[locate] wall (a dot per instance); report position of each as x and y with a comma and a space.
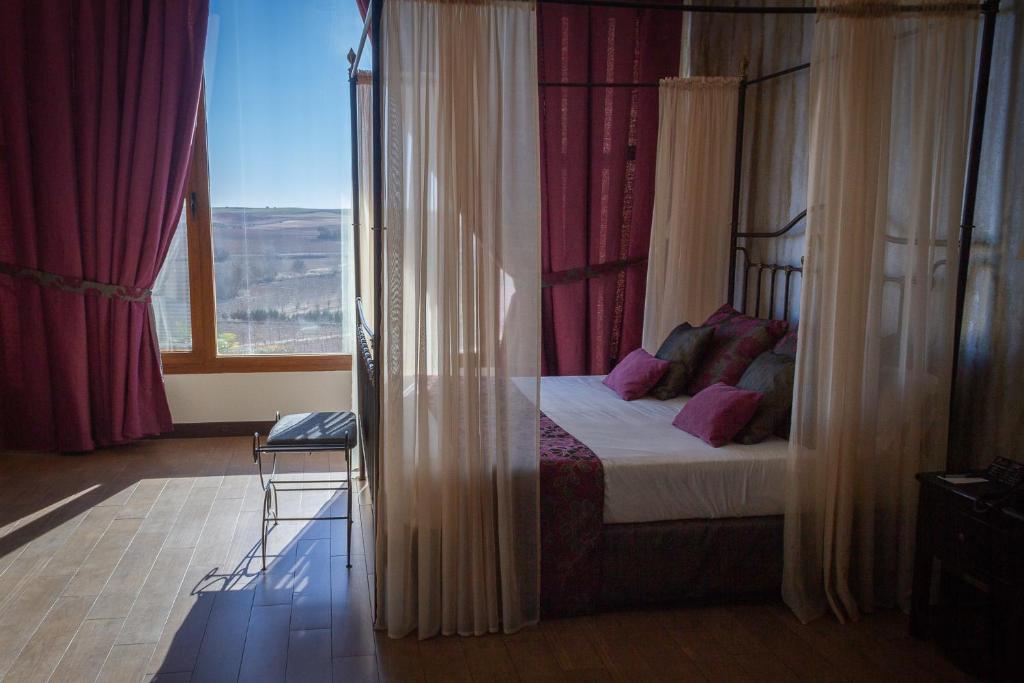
254, 396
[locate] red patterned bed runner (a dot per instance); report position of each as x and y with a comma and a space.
571, 519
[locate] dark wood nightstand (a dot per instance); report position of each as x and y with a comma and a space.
969, 576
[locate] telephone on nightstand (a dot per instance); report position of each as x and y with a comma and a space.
1007, 472
1010, 474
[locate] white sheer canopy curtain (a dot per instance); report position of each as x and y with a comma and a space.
688, 267
364, 219
457, 511
364, 114
890, 104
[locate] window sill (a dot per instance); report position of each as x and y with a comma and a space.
189, 364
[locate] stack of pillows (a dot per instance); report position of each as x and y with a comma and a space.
738, 369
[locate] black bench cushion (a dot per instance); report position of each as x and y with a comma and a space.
314, 429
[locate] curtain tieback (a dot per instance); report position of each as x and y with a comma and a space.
78, 285
564, 277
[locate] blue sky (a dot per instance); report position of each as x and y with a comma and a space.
277, 102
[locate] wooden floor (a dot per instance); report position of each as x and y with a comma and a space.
142, 564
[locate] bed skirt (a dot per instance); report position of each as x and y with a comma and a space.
692, 559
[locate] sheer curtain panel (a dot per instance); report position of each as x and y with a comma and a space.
890, 106
688, 268
457, 508
364, 115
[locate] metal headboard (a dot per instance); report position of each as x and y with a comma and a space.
770, 275
366, 388
740, 296
747, 298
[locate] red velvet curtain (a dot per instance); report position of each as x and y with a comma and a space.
597, 172
98, 102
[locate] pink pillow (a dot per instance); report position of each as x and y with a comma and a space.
636, 374
718, 413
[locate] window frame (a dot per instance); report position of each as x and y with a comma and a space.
203, 357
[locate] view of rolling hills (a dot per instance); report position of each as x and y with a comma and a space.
282, 284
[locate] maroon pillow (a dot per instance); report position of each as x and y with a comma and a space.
718, 413
739, 339
636, 374
724, 312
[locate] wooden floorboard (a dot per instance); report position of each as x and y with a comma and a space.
142, 563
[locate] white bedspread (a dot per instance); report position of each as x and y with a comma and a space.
653, 471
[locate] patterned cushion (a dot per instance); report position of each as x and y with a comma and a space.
739, 339
635, 374
771, 374
787, 345
683, 348
315, 429
716, 414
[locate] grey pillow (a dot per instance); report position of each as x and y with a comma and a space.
772, 375
787, 345
683, 348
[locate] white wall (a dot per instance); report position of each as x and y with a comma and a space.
250, 396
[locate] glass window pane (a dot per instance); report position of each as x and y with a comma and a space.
173, 314
277, 118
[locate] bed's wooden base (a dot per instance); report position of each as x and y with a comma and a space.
665, 562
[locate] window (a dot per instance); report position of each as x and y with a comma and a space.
171, 295
259, 274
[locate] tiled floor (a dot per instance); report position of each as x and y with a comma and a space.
142, 563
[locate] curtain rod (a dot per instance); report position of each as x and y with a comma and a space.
587, 84
682, 7
985, 6
655, 84
777, 74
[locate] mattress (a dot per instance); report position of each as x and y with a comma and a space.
655, 472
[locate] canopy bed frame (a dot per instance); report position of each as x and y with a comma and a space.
688, 558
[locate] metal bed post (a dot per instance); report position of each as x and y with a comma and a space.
376, 16
353, 87
367, 343
989, 11
588, 190
737, 175
735, 234
353, 79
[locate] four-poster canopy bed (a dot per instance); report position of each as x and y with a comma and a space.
725, 547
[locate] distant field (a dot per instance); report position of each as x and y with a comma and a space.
282, 284
283, 262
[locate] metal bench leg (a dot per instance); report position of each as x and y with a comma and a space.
263, 534
348, 536
271, 515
